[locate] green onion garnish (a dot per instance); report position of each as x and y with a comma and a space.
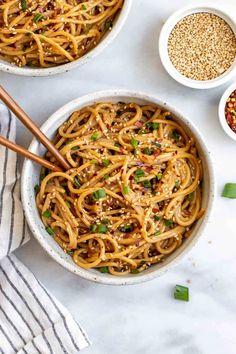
95, 136
68, 204
103, 269
24, 5
36, 188
139, 173
168, 222
108, 24
157, 233
157, 218
175, 135
75, 148
38, 17
152, 125
191, 196
126, 228
84, 7
105, 221
125, 190
70, 252
134, 271
142, 131
47, 214
159, 176
147, 184
49, 230
181, 293
102, 229
93, 228
99, 194
177, 183
106, 163
147, 151
158, 145
106, 176
134, 143
77, 181
229, 191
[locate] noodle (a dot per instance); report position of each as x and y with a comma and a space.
53, 32
132, 193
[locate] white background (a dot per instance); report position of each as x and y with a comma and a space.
145, 318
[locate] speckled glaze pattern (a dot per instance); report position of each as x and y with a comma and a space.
218, 10
31, 172
106, 40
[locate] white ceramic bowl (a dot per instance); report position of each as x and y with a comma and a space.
31, 172
106, 40
221, 111
220, 11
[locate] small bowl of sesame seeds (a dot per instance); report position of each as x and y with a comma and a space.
227, 111
197, 46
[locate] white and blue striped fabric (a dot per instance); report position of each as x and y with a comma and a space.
32, 321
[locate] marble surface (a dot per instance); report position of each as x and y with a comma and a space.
145, 319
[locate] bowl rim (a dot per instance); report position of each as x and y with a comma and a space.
106, 40
221, 111
27, 166
171, 21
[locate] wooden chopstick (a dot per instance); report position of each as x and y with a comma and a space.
17, 148
25, 119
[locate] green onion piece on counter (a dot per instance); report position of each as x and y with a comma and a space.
102, 229
47, 214
93, 228
125, 190
134, 271
84, 7
229, 191
38, 17
147, 184
49, 230
168, 222
181, 293
134, 143
24, 5
99, 194
191, 196
157, 218
103, 269
106, 163
95, 136
77, 181
147, 151
36, 188
75, 148
70, 252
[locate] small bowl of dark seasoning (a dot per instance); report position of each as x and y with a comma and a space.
227, 111
197, 46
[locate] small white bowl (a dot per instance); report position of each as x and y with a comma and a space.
106, 40
31, 172
163, 45
221, 111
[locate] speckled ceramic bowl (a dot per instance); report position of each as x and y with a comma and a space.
107, 39
30, 177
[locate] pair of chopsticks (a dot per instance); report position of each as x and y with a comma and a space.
25, 119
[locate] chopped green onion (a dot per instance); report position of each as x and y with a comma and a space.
168, 222
93, 161
108, 24
38, 17
229, 191
181, 293
191, 196
103, 269
157, 145
152, 125
106, 176
95, 136
175, 135
147, 151
68, 204
84, 7
147, 184
105, 221
36, 188
142, 131
139, 172
177, 183
134, 143
77, 181
70, 252
126, 228
157, 233
106, 163
93, 228
134, 271
75, 148
24, 5
49, 230
157, 218
99, 194
47, 214
102, 229
159, 176
125, 190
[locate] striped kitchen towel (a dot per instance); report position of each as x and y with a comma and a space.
32, 321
